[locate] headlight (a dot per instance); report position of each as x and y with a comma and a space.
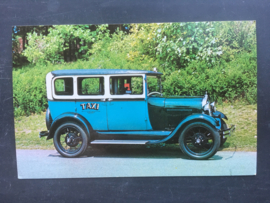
213, 107
207, 107
204, 101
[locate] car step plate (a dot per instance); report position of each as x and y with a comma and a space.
120, 141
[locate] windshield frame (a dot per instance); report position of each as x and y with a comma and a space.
159, 83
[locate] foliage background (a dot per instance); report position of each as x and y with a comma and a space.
219, 57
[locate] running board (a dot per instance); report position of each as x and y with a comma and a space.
137, 133
120, 142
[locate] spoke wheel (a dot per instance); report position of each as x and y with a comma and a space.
199, 140
70, 140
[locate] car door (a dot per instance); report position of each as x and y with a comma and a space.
90, 101
126, 105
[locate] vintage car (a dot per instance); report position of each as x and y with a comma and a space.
102, 106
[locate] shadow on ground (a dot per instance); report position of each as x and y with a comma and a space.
137, 151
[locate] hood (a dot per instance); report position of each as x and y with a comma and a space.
183, 102
167, 112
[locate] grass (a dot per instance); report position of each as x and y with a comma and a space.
27, 130
244, 117
241, 115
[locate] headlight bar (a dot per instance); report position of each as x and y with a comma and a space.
228, 131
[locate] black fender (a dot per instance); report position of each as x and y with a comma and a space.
48, 119
218, 114
215, 123
70, 117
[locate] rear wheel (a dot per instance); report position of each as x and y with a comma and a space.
199, 140
70, 140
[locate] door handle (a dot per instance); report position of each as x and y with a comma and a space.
110, 99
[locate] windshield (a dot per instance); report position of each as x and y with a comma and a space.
154, 84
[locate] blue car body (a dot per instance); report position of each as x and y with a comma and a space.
117, 105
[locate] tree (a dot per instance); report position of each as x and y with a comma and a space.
63, 43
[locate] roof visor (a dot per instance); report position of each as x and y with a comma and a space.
73, 72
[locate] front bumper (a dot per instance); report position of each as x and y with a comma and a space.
228, 131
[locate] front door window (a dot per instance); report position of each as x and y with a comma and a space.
130, 85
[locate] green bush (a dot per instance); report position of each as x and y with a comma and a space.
29, 88
49, 49
228, 81
232, 77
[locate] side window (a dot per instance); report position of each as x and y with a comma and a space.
91, 86
132, 85
153, 84
63, 86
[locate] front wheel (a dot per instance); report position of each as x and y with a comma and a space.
199, 140
70, 140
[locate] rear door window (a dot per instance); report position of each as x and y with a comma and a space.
91, 86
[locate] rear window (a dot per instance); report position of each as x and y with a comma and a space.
63, 86
91, 86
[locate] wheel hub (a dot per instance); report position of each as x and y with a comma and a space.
199, 140
72, 139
